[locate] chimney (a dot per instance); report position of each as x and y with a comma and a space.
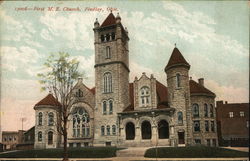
225, 102
219, 103
190, 78
201, 81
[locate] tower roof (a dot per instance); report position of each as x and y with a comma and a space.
49, 100
110, 20
176, 59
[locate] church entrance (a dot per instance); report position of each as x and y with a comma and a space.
163, 129
181, 138
146, 130
130, 131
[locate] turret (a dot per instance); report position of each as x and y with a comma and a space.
177, 70
47, 112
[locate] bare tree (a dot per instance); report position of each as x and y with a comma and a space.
61, 73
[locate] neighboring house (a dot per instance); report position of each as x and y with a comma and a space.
141, 113
11, 138
29, 139
233, 123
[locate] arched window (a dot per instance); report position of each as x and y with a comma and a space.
108, 52
81, 127
108, 130
163, 129
110, 106
205, 110
40, 118
196, 126
104, 107
113, 35
178, 80
130, 131
102, 38
50, 137
79, 93
107, 81
145, 96
107, 37
113, 130
206, 126
40, 136
195, 110
102, 130
51, 118
211, 111
146, 130
180, 117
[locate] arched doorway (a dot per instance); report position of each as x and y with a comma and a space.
163, 129
50, 137
130, 131
146, 132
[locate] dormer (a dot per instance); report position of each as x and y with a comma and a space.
145, 92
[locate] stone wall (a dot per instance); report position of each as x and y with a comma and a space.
179, 98
203, 135
45, 128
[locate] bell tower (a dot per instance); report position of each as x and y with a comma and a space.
111, 77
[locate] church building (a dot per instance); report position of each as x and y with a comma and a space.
143, 112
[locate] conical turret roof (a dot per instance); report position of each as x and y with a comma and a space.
49, 100
176, 59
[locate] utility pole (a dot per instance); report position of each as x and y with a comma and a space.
22, 119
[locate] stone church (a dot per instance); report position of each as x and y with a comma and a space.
143, 112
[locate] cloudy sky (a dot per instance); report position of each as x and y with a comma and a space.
212, 36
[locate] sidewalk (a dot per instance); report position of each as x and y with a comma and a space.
130, 159
244, 149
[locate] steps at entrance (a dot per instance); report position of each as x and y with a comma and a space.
132, 152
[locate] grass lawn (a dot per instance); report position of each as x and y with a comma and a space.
194, 152
86, 152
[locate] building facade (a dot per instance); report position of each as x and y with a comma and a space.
233, 123
140, 113
11, 139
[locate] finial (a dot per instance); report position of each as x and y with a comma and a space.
96, 24
111, 11
50, 92
118, 18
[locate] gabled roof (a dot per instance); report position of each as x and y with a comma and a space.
162, 95
92, 90
49, 100
176, 59
131, 98
110, 20
196, 88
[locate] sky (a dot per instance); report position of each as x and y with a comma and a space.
213, 36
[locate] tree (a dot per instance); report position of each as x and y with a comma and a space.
61, 73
